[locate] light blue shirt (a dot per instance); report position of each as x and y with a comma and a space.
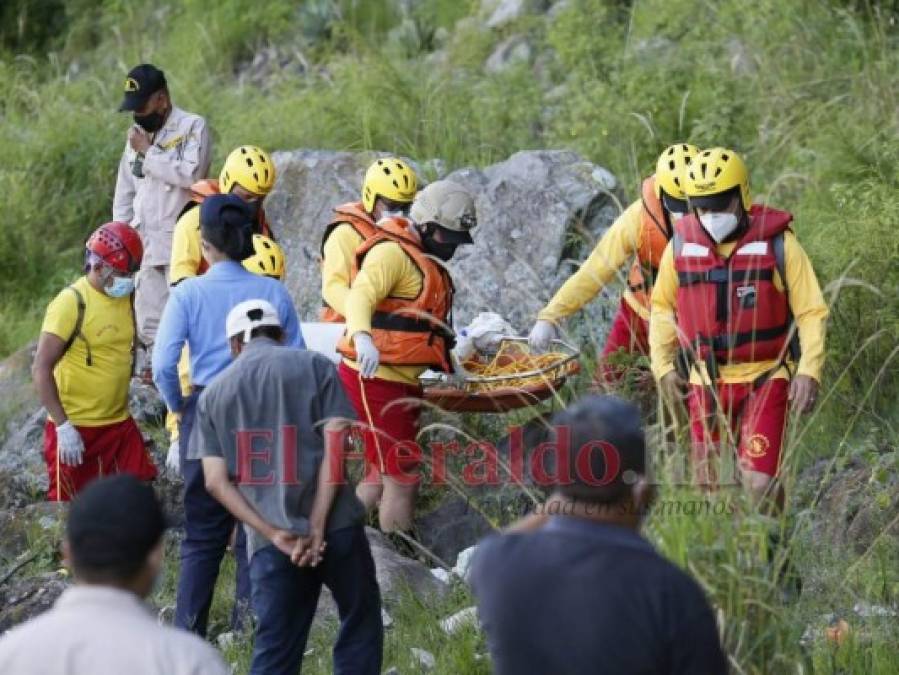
196, 312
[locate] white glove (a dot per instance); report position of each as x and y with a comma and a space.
367, 355
541, 335
69, 444
173, 458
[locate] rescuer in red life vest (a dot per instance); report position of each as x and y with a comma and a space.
734, 290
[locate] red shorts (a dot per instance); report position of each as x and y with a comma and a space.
629, 332
391, 418
110, 449
757, 418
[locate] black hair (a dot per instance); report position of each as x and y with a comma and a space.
120, 572
231, 233
605, 449
275, 333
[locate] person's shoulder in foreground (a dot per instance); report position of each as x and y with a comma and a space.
101, 625
582, 591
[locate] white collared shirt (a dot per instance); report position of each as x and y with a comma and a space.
100, 630
178, 157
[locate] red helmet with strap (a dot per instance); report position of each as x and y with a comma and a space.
118, 245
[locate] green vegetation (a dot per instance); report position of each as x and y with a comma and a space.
807, 90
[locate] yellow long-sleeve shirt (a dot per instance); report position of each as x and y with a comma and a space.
337, 265
617, 246
386, 271
187, 253
806, 303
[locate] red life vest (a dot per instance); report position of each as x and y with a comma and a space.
207, 187
354, 215
410, 331
729, 310
653, 239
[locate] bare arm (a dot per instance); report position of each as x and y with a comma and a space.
50, 349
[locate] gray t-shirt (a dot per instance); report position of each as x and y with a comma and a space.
265, 415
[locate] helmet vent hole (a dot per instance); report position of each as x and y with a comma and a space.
725, 157
671, 165
717, 172
677, 181
704, 167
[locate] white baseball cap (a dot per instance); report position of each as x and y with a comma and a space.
249, 315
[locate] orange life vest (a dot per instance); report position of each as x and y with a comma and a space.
207, 187
654, 238
354, 215
410, 331
729, 310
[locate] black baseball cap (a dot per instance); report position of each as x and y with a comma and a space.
114, 523
142, 82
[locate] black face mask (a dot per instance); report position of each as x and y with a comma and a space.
151, 122
439, 249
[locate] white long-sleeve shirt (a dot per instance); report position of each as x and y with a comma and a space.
178, 157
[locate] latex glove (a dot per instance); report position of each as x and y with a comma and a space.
541, 335
69, 444
367, 355
173, 458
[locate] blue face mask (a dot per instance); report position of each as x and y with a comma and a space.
121, 287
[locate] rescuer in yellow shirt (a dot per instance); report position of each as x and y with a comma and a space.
733, 288
397, 315
387, 191
82, 369
640, 235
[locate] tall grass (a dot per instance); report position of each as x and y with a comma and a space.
806, 90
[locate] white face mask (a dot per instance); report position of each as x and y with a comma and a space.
719, 225
392, 214
121, 287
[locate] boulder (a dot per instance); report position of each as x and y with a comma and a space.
23, 599
508, 53
398, 575
857, 504
451, 527
23, 472
18, 399
537, 211
146, 405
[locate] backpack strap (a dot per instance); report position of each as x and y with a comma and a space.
77, 332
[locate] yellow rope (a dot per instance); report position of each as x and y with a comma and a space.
371, 423
512, 358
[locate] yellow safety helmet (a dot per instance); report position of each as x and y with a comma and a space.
390, 178
671, 169
251, 168
714, 172
268, 258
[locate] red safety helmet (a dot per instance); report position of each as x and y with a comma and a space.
118, 245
